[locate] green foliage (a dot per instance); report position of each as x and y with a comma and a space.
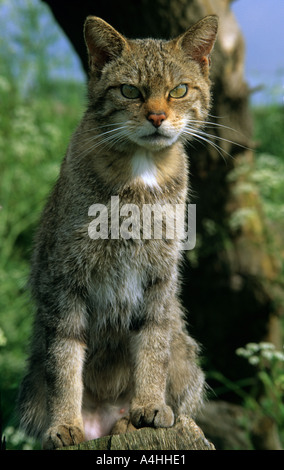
262, 394
268, 129
267, 177
31, 153
38, 115
29, 47
270, 372
268, 174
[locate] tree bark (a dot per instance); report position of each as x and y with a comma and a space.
185, 435
232, 427
230, 286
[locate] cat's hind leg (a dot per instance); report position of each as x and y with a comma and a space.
185, 384
104, 418
123, 426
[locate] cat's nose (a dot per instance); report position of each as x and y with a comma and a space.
156, 118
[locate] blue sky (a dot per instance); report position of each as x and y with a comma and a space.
262, 24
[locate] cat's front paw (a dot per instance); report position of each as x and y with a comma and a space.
62, 436
156, 415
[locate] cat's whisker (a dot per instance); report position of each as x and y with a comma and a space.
108, 135
97, 136
212, 124
216, 136
110, 139
119, 137
200, 135
216, 117
219, 149
101, 127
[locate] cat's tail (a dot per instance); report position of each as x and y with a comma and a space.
31, 405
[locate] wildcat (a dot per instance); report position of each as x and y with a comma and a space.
110, 351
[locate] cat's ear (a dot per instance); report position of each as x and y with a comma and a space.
198, 41
104, 43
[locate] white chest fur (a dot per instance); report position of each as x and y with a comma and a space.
144, 168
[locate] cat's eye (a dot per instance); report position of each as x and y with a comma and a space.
179, 91
130, 92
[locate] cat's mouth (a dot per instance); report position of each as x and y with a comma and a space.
157, 136
154, 140
154, 135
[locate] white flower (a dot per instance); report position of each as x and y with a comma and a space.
264, 346
279, 355
269, 355
253, 360
242, 352
253, 347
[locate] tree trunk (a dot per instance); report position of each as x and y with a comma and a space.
185, 435
230, 285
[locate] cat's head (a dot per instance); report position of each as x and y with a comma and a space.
147, 93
